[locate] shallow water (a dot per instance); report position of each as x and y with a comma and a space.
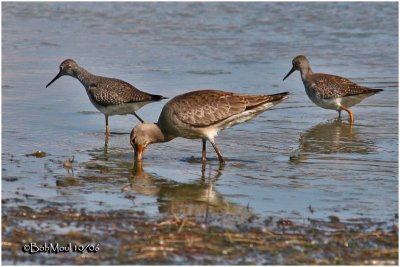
295, 161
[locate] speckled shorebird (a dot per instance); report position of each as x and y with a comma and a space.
329, 91
110, 96
201, 115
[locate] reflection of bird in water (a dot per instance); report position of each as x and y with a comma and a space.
196, 198
331, 138
142, 182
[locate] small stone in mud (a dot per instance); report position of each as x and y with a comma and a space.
334, 219
37, 154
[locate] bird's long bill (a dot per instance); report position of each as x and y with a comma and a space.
290, 72
139, 152
54, 79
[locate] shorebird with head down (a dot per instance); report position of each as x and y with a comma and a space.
201, 115
329, 91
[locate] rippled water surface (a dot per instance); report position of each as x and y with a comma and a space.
295, 161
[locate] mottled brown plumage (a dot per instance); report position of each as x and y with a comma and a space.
207, 107
201, 115
330, 91
330, 86
110, 91
109, 95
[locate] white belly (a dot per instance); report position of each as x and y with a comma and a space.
335, 103
122, 109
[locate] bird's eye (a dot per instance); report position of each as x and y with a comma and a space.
61, 68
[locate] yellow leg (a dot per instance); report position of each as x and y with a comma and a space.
350, 113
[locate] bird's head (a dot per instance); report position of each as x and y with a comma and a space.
298, 63
67, 67
143, 135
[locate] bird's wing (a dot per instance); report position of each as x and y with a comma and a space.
208, 107
115, 92
330, 86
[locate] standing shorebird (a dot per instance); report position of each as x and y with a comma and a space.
329, 91
110, 96
201, 115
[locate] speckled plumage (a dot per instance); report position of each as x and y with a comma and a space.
205, 108
201, 115
328, 86
109, 91
330, 91
109, 95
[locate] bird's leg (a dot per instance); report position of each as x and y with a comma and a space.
221, 159
350, 113
140, 119
107, 129
203, 154
340, 113
107, 133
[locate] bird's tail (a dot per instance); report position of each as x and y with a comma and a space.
279, 97
158, 97
375, 90
257, 101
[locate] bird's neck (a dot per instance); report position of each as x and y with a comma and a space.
305, 72
85, 77
168, 136
157, 135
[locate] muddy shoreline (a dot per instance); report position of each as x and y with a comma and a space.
127, 237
